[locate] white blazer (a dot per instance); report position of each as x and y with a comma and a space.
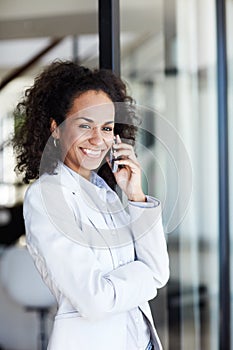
97, 274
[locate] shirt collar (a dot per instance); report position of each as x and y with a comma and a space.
104, 190
98, 181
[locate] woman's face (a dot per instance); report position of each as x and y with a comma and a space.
87, 133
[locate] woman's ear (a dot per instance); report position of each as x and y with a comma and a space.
54, 129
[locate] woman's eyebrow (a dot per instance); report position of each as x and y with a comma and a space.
110, 122
92, 121
86, 119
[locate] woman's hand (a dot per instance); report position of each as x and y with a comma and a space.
128, 177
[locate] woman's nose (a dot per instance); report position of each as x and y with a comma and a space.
96, 137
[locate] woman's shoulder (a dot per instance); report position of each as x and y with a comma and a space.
45, 186
35, 185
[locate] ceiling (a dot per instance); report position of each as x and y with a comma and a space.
26, 19
27, 26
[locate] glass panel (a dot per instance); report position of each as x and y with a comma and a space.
14, 53
83, 48
229, 13
171, 70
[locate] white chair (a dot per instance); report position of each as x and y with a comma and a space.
24, 285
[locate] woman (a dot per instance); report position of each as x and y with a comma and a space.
102, 262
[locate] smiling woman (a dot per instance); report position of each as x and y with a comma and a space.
52, 100
103, 263
87, 133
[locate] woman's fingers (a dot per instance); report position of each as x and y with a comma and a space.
125, 150
122, 145
134, 166
125, 153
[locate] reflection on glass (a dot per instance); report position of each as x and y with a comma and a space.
172, 71
14, 53
229, 24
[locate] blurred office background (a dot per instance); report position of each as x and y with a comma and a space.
169, 61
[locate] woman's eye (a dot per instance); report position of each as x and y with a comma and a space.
84, 126
107, 128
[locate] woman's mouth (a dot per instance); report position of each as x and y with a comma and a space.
91, 152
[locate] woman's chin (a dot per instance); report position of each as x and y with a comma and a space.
92, 165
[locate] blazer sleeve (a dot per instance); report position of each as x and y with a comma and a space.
149, 239
71, 269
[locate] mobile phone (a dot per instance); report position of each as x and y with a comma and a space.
112, 158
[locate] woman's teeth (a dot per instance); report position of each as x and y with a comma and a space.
91, 152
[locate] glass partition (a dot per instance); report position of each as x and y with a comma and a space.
229, 12
17, 53
168, 52
171, 69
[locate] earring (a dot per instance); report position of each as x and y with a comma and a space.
55, 142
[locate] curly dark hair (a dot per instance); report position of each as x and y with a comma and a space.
52, 96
